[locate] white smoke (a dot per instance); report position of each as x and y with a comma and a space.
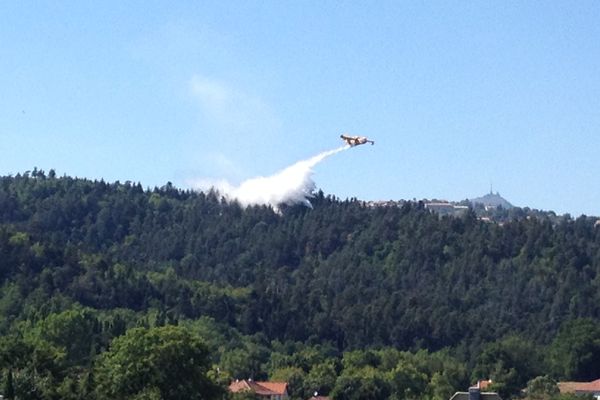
292, 185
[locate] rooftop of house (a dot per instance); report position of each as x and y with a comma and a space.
573, 387
260, 388
483, 384
482, 396
478, 388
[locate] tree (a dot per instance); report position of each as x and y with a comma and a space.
575, 352
294, 376
406, 381
542, 388
245, 362
36, 366
439, 387
72, 331
365, 383
510, 363
321, 378
168, 360
9, 388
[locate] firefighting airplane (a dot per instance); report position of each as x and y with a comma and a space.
356, 140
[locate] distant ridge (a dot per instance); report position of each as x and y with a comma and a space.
492, 200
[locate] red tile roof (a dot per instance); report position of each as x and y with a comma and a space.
275, 387
595, 385
260, 388
572, 387
239, 386
484, 384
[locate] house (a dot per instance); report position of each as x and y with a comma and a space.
441, 207
475, 393
267, 390
446, 208
592, 388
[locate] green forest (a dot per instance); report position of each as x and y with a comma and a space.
113, 291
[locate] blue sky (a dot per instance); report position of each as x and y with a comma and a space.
457, 95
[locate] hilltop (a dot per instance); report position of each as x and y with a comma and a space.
492, 200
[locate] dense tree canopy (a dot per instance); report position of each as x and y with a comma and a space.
86, 264
168, 360
575, 351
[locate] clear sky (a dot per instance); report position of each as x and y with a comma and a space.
456, 94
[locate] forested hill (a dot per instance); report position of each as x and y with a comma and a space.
341, 274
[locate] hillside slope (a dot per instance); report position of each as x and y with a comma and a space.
341, 272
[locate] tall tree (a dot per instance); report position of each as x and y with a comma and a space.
575, 352
9, 386
169, 360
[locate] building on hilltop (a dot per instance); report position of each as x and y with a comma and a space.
446, 208
267, 390
492, 201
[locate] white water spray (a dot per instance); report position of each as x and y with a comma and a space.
292, 185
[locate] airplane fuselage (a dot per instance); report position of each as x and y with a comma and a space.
356, 140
